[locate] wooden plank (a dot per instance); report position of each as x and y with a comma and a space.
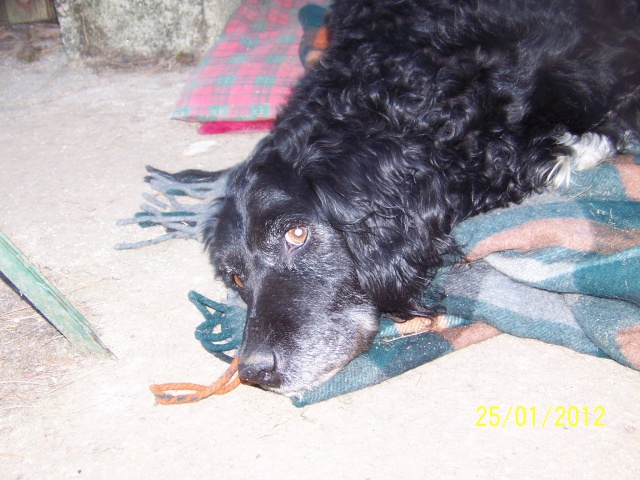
48, 300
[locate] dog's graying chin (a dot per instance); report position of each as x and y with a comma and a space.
419, 115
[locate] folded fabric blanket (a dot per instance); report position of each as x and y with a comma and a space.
248, 74
563, 267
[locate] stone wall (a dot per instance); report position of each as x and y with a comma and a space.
141, 28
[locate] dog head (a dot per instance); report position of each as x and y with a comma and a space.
319, 240
307, 315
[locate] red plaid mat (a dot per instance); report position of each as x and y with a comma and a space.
250, 70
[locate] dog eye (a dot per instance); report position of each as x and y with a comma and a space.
237, 281
296, 236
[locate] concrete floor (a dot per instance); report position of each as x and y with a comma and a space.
74, 145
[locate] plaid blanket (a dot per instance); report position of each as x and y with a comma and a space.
563, 267
250, 71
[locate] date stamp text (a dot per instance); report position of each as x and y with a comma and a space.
531, 416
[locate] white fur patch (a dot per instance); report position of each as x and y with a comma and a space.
588, 151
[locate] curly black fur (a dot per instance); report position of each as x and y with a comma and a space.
419, 115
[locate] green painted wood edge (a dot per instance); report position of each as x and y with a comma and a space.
48, 300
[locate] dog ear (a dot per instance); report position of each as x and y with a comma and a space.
396, 223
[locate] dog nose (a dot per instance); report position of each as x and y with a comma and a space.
259, 367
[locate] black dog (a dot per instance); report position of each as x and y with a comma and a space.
420, 114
